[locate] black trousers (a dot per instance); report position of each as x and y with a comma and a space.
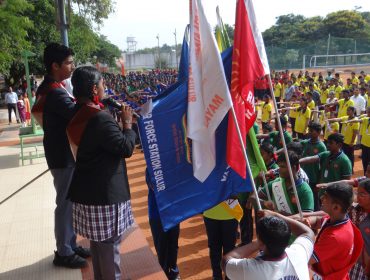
166, 245
365, 157
221, 240
301, 136
292, 124
12, 106
246, 223
350, 152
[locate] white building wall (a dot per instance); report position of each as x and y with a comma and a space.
134, 61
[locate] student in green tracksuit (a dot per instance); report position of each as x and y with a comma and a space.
312, 147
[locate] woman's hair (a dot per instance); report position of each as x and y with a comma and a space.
83, 80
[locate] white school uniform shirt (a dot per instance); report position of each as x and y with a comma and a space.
294, 266
360, 104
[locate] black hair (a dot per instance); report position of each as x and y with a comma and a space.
341, 194
295, 146
336, 137
266, 96
283, 121
267, 127
267, 147
274, 233
365, 184
345, 91
352, 108
293, 158
83, 80
315, 126
55, 53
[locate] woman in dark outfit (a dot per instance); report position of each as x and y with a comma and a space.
99, 189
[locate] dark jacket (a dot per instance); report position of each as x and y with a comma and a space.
59, 109
100, 176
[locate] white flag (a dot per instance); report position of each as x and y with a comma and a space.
208, 97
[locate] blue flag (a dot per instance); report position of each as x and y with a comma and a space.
167, 153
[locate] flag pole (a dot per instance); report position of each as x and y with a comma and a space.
246, 158
266, 186
285, 148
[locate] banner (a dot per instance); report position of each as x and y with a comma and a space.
209, 97
249, 64
179, 195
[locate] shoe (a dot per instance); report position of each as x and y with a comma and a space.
82, 252
174, 274
72, 261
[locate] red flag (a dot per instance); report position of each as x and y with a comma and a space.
122, 64
249, 63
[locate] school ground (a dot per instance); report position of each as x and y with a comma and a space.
26, 222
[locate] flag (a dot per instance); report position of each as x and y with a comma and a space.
249, 63
255, 159
184, 58
167, 150
208, 94
122, 64
222, 38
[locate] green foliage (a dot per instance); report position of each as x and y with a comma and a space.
95, 11
106, 52
31, 25
345, 24
14, 27
160, 63
82, 39
310, 36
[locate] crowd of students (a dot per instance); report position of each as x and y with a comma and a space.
328, 120
323, 121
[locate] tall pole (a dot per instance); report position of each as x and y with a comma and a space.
246, 158
25, 56
159, 54
177, 62
63, 23
285, 148
327, 50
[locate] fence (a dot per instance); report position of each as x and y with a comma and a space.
297, 55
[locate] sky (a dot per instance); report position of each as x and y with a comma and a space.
145, 19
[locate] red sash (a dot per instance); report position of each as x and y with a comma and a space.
77, 125
38, 107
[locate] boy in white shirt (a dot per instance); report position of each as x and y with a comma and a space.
276, 260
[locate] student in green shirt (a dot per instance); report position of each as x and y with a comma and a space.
268, 155
334, 164
312, 147
275, 135
281, 190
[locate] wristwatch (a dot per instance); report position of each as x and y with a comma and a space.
127, 121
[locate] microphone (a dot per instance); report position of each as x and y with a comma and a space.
113, 103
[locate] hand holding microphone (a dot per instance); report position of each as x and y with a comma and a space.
126, 111
126, 116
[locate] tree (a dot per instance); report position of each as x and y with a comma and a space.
344, 24
106, 52
95, 11
13, 32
